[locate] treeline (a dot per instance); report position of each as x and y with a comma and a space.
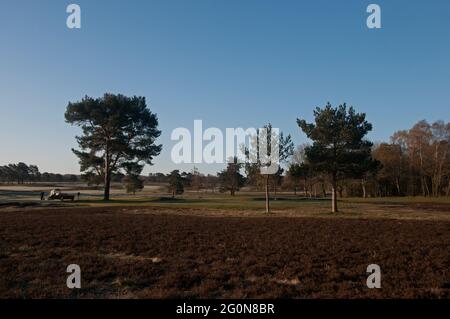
22, 173
230, 179
194, 180
415, 162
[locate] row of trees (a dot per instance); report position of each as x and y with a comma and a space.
119, 137
19, 173
415, 162
341, 161
194, 180
229, 180
22, 173
418, 161
339, 151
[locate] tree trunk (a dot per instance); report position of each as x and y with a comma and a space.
334, 208
427, 188
107, 185
397, 184
422, 186
305, 189
363, 184
267, 194
107, 176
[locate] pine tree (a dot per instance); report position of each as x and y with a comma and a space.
339, 148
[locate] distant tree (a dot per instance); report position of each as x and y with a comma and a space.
339, 148
176, 186
300, 172
426, 149
157, 178
91, 178
211, 182
366, 171
45, 177
440, 167
277, 181
58, 178
22, 171
390, 175
3, 174
34, 174
252, 174
7, 174
132, 184
116, 130
196, 180
72, 178
187, 179
258, 165
117, 177
132, 181
230, 179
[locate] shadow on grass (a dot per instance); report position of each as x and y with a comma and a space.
293, 199
238, 202
134, 201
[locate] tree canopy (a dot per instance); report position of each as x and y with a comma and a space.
267, 146
339, 148
117, 130
230, 179
176, 186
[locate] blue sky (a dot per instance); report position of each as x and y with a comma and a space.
229, 63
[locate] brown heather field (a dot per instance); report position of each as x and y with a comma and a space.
170, 252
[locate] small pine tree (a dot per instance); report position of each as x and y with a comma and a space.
133, 183
176, 186
230, 179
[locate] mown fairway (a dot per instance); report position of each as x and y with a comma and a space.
172, 250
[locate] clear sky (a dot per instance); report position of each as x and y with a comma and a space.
230, 63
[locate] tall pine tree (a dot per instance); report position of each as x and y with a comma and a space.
117, 130
339, 148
